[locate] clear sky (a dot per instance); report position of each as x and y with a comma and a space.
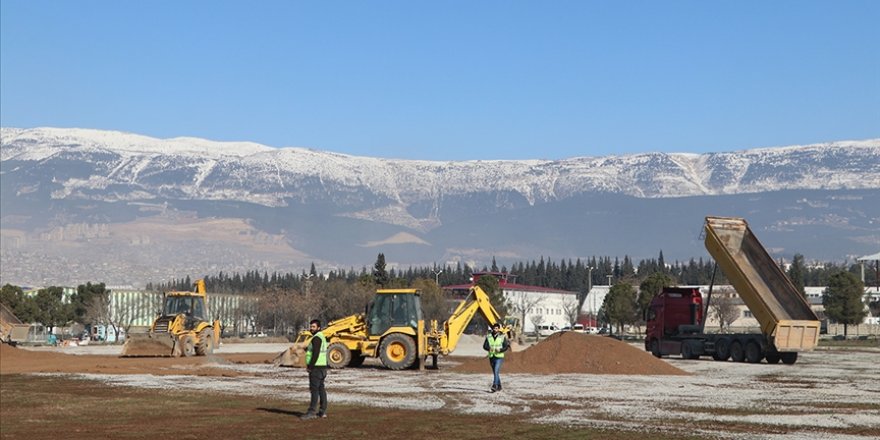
449, 80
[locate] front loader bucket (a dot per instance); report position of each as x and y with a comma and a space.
150, 345
295, 356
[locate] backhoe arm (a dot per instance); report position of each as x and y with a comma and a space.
476, 301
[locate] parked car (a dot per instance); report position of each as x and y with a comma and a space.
547, 330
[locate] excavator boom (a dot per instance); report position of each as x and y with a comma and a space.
476, 301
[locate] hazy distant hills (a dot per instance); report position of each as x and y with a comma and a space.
83, 205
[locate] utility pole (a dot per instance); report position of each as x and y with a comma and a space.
437, 276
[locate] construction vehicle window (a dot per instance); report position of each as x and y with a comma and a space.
175, 305
380, 314
198, 308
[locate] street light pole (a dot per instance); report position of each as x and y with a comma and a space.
437, 276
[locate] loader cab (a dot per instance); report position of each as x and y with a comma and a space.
191, 306
394, 308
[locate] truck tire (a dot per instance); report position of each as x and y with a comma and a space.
753, 352
655, 348
722, 350
206, 342
688, 351
188, 347
788, 358
772, 358
398, 352
338, 355
737, 353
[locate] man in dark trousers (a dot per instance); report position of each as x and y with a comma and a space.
316, 363
496, 344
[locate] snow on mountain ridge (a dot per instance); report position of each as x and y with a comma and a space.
201, 169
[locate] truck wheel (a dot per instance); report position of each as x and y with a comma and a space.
788, 358
206, 342
722, 350
753, 352
772, 358
687, 351
338, 355
655, 348
189, 347
737, 354
398, 352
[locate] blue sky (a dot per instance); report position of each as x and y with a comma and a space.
450, 80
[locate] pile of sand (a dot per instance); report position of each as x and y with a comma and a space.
569, 352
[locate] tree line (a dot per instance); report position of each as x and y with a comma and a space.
285, 301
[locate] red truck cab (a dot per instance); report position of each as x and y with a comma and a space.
674, 312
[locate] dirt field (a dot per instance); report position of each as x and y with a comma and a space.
827, 394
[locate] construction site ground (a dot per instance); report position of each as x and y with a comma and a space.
567, 386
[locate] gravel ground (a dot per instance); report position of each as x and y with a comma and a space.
827, 394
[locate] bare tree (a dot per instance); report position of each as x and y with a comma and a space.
434, 303
537, 320
98, 310
724, 307
124, 314
572, 310
340, 299
523, 304
271, 307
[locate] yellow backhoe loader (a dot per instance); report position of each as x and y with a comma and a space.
181, 329
393, 330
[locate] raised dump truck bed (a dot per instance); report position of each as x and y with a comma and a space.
783, 313
676, 316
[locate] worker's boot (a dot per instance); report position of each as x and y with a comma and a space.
493, 388
308, 416
498, 388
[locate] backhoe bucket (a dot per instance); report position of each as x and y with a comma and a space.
295, 356
150, 345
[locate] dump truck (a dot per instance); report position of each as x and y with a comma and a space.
393, 330
181, 329
676, 317
12, 331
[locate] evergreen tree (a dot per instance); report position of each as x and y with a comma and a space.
843, 299
52, 310
88, 295
651, 287
380, 275
796, 273
620, 305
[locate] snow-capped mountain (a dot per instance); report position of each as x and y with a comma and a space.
79, 176
114, 166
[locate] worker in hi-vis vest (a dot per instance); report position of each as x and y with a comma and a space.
496, 344
316, 363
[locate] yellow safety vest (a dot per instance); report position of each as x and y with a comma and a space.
495, 345
322, 353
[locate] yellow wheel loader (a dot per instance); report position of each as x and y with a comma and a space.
181, 329
393, 331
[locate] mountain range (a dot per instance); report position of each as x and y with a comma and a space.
82, 205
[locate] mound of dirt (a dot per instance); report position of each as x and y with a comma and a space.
569, 352
18, 360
